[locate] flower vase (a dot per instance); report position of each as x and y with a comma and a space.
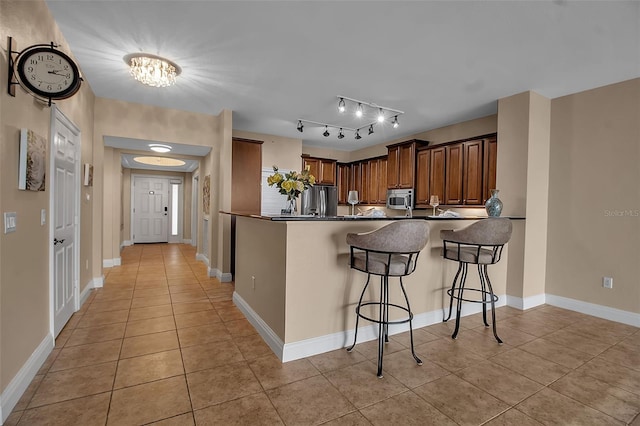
493, 204
291, 208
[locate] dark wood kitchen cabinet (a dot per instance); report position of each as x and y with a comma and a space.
344, 182
377, 181
489, 166
401, 164
453, 172
472, 173
323, 169
460, 173
430, 175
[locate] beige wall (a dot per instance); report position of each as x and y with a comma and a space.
276, 150
24, 254
594, 196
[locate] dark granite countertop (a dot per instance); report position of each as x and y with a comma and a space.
309, 218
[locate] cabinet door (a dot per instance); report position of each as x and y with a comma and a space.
365, 177
437, 176
406, 166
327, 172
372, 187
453, 186
422, 178
472, 173
490, 161
344, 174
314, 167
382, 181
246, 173
392, 167
356, 179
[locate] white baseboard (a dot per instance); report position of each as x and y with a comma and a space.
23, 378
329, 342
202, 258
186, 241
605, 312
126, 243
224, 277
269, 336
109, 263
527, 302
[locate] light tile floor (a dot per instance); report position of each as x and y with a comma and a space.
163, 344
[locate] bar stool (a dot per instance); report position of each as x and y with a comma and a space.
391, 251
478, 244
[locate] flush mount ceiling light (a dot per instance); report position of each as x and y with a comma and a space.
159, 161
152, 70
158, 147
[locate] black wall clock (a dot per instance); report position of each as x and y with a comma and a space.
46, 72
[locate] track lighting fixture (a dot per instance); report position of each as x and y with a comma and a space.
366, 110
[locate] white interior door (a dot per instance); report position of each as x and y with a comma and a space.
65, 183
151, 210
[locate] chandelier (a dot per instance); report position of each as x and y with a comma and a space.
152, 70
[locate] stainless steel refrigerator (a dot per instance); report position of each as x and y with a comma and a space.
320, 200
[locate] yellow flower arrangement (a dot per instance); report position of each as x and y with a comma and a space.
291, 184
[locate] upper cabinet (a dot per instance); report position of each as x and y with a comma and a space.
459, 173
401, 165
344, 176
323, 169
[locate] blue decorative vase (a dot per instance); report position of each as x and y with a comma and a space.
493, 204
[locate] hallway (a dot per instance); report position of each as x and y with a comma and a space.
162, 342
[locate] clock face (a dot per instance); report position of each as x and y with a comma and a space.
48, 73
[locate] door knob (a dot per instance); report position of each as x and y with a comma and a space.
57, 241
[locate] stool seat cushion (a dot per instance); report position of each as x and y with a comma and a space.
470, 255
378, 262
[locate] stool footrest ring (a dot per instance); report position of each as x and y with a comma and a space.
459, 297
377, 321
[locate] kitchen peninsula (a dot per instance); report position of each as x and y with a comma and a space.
294, 284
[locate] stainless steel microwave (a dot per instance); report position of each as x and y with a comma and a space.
399, 199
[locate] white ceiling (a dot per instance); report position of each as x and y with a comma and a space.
440, 62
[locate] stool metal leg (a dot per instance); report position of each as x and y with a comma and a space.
413, 352
355, 336
453, 287
460, 293
493, 305
382, 326
483, 291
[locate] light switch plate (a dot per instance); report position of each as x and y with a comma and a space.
43, 217
9, 222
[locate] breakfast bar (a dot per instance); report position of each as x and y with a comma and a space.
294, 284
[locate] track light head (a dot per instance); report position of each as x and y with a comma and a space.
358, 134
371, 129
359, 110
326, 131
300, 126
341, 105
395, 122
380, 116
340, 134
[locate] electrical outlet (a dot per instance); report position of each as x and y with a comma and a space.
607, 282
253, 282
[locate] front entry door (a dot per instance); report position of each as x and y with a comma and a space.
151, 209
65, 181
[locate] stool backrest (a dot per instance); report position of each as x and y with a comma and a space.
491, 231
402, 236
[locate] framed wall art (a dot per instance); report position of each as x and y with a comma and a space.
206, 194
32, 166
